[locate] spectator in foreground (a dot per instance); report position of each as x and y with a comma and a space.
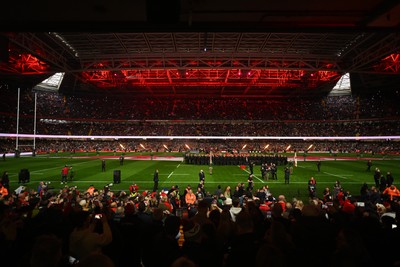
84, 239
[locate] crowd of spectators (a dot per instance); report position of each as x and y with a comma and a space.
105, 115
45, 146
54, 105
101, 227
242, 227
203, 128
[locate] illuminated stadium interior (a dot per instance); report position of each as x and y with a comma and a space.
282, 117
178, 55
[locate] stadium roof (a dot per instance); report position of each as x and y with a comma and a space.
203, 48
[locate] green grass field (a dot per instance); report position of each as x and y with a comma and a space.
351, 173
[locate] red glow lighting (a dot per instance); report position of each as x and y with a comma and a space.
27, 64
390, 63
209, 77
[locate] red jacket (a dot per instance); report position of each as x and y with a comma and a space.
64, 171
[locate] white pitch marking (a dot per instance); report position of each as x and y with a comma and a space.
79, 163
177, 174
345, 175
336, 175
253, 175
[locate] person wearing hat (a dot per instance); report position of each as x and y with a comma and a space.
202, 176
